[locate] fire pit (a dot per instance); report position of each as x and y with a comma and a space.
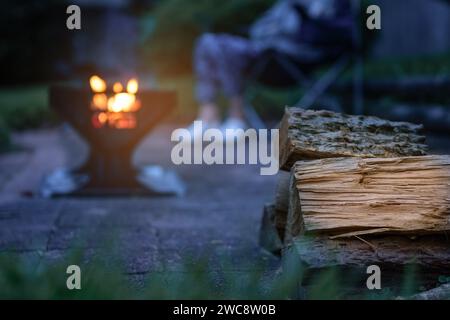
112, 121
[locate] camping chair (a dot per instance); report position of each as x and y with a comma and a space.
279, 70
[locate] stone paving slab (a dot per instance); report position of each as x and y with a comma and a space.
217, 220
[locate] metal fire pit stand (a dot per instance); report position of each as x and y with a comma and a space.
108, 170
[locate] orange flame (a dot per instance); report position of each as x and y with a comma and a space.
115, 110
132, 86
97, 84
121, 102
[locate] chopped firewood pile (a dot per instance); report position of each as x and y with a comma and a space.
358, 190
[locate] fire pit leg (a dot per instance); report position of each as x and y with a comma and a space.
109, 170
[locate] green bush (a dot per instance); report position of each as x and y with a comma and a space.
24, 107
4, 136
409, 66
177, 23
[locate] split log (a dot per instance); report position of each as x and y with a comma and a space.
269, 237
308, 134
273, 223
282, 202
344, 197
282, 191
294, 223
429, 252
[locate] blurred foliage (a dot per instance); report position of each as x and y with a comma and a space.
270, 102
168, 34
29, 276
5, 142
24, 107
184, 86
177, 23
170, 29
401, 67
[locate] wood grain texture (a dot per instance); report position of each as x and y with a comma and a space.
309, 134
343, 197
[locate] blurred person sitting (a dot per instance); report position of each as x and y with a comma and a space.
307, 30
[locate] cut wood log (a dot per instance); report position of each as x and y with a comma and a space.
309, 134
282, 191
431, 251
269, 237
343, 197
274, 217
282, 202
294, 223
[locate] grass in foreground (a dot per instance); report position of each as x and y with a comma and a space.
30, 279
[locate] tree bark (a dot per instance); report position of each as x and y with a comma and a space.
308, 134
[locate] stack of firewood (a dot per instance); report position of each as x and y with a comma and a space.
357, 190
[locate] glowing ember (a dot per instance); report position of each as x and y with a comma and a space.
102, 117
117, 87
121, 102
99, 101
116, 110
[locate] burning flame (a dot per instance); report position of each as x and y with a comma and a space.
97, 84
116, 109
132, 86
121, 102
